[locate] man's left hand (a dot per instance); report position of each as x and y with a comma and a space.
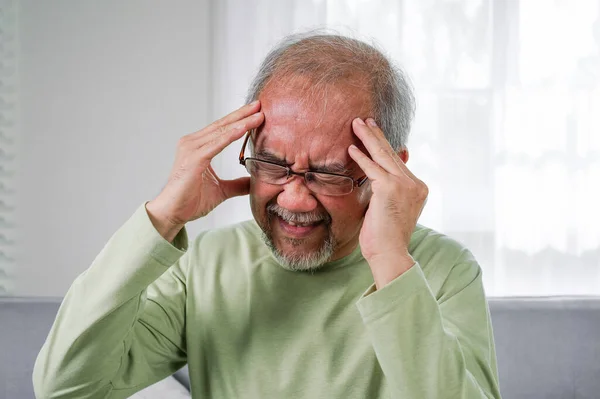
396, 204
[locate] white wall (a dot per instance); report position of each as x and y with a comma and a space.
106, 90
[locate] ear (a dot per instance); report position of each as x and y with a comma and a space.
403, 154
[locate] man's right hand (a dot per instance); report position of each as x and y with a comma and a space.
193, 188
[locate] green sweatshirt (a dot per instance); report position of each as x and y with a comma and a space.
249, 328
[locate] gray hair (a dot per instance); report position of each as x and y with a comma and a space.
327, 58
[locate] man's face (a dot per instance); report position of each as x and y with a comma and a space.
308, 132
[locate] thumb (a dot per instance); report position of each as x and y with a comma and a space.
236, 187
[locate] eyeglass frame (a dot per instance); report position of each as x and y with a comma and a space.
356, 182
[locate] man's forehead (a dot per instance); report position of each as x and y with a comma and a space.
288, 143
300, 98
289, 106
317, 117
304, 121
304, 133
307, 150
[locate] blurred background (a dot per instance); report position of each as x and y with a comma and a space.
95, 94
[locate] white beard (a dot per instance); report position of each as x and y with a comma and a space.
303, 262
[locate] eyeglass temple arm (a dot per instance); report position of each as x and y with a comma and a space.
244, 146
361, 181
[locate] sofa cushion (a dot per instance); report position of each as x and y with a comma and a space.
169, 388
547, 347
25, 323
182, 375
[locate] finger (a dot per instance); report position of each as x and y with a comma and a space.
406, 170
378, 147
201, 138
209, 173
373, 171
243, 125
393, 154
236, 115
213, 144
236, 187
241, 113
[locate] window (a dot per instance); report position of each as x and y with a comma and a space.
507, 133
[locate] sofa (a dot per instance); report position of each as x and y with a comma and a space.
547, 348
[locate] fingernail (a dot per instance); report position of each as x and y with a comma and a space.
359, 121
352, 146
371, 122
254, 102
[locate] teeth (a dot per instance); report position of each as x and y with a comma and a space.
299, 224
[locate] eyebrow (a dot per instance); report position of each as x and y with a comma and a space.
334, 167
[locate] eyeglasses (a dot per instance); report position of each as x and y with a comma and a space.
318, 182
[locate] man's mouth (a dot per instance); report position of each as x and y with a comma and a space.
297, 229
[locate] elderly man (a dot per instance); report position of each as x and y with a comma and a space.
332, 291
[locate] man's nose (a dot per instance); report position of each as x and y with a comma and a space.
296, 197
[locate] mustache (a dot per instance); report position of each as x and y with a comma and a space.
298, 217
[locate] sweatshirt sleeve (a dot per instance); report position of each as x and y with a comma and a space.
121, 325
432, 347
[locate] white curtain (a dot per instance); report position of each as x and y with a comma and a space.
507, 131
